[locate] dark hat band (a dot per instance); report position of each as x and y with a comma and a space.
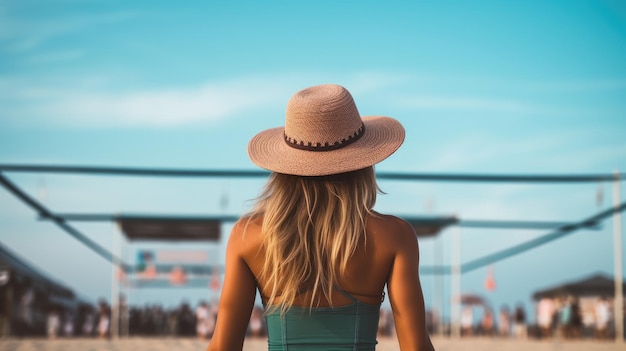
325, 146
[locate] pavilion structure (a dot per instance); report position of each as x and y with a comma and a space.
168, 228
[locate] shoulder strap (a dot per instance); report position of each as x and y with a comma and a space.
354, 299
346, 294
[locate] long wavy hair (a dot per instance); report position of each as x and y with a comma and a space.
311, 227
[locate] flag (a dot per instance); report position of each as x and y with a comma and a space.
490, 281
215, 280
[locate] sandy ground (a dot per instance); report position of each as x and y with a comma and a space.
170, 344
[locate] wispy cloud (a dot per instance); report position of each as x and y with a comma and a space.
488, 151
600, 158
82, 104
55, 57
593, 85
22, 34
105, 101
463, 103
370, 82
438, 81
484, 104
146, 108
568, 106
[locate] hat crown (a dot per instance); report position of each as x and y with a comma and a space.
322, 115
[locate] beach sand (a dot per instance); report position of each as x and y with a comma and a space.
390, 344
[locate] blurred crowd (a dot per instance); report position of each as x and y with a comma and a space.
567, 317
563, 317
571, 318
184, 320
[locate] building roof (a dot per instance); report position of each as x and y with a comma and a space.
20, 267
596, 285
170, 228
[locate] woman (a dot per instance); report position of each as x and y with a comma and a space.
104, 315
313, 247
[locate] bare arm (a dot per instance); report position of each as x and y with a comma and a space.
237, 298
405, 292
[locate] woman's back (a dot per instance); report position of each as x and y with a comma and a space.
387, 255
367, 271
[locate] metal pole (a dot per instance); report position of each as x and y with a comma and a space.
129, 282
618, 302
439, 284
125, 288
455, 284
115, 291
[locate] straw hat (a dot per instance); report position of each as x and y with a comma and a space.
324, 134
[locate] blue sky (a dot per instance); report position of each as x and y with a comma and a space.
481, 87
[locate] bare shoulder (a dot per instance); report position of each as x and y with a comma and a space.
392, 228
246, 242
246, 234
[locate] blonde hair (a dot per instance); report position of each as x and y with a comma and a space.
311, 227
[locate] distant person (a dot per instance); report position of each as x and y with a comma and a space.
436, 322
589, 320
431, 322
519, 322
160, 320
123, 316
467, 321
504, 321
256, 328
68, 324
53, 323
487, 324
202, 320
603, 317
172, 322
88, 324
545, 314
565, 316
312, 245
186, 320
576, 319
384, 323
104, 318
25, 311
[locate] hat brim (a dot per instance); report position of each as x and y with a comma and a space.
382, 137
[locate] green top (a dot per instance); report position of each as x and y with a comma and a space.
344, 328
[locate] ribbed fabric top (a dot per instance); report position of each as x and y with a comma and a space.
344, 328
